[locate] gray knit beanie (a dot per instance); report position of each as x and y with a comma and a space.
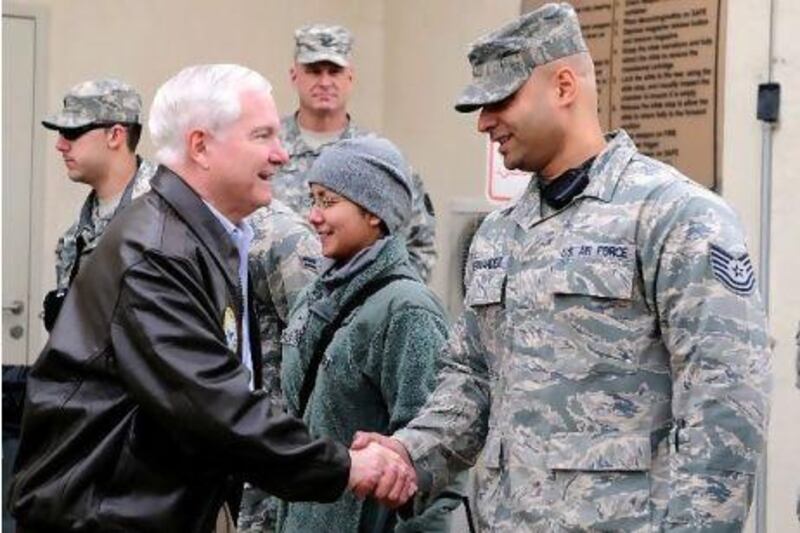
369, 171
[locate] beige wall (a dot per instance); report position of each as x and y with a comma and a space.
747, 65
410, 59
784, 472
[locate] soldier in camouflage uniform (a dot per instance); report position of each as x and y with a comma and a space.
612, 360
283, 259
99, 128
323, 78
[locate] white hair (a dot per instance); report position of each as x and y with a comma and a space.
198, 97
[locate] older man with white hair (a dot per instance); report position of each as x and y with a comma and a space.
141, 413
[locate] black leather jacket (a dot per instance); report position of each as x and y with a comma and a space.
138, 416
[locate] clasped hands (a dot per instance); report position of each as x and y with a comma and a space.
381, 468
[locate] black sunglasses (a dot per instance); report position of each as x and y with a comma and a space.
72, 134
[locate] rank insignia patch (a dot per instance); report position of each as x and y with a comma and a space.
736, 273
229, 327
309, 263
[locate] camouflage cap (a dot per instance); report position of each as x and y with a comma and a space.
97, 101
504, 59
321, 42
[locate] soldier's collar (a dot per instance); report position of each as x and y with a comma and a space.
291, 128
527, 211
609, 165
604, 176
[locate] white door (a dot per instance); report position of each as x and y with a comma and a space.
19, 40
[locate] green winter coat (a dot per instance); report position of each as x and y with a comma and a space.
375, 375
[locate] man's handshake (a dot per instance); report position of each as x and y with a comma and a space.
381, 468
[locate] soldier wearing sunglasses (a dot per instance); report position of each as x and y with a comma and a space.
98, 130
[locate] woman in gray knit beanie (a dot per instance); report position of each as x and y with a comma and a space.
361, 341
368, 171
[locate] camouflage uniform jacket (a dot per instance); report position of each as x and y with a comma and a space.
283, 260
290, 186
90, 225
612, 357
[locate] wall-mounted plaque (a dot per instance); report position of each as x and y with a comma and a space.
659, 66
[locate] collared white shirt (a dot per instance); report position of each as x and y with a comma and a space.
242, 236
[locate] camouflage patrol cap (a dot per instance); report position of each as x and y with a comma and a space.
95, 102
321, 42
503, 60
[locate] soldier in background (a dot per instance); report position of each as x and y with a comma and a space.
98, 131
612, 360
323, 78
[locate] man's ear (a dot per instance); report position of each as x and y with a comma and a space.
566, 86
197, 148
293, 74
116, 136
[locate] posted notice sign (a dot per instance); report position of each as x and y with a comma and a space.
659, 71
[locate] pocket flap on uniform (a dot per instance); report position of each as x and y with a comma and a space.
486, 287
604, 452
492, 452
707, 446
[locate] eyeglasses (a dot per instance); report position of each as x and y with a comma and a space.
72, 134
323, 202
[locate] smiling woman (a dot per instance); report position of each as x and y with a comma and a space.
344, 228
370, 363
